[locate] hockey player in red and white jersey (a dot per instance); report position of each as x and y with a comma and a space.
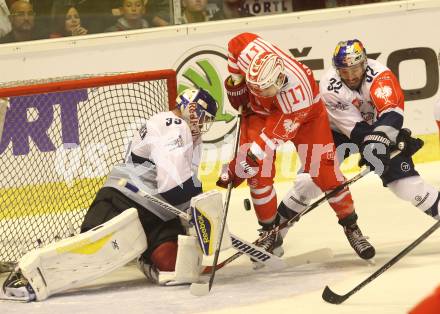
122, 224
365, 105
281, 103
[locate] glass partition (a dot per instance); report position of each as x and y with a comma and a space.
22, 20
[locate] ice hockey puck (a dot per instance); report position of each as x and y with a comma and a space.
247, 204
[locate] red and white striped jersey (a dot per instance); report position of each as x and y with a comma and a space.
293, 104
300, 90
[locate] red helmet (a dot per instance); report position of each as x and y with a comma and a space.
266, 69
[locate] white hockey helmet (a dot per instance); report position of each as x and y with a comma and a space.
266, 70
198, 109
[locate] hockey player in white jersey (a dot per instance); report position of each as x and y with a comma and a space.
365, 105
121, 224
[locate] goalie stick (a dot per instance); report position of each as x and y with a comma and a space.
331, 297
200, 289
249, 249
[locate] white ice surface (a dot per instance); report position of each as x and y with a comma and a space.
390, 223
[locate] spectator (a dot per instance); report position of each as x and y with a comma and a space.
132, 17
194, 11
5, 24
96, 15
22, 20
67, 22
231, 9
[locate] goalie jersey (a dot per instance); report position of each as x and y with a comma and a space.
163, 162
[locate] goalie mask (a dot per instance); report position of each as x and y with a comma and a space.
350, 61
265, 75
198, 109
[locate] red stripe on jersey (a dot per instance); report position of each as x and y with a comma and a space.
244, 66
235, 46
285, 102
296, 66
296, 70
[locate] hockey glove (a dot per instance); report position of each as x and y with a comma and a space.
408, 145
375, 152
238, 170
237, 94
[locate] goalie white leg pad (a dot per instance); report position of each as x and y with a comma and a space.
189, 259
71, 262
206, 211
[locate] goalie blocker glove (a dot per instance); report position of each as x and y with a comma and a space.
238, 95
375, 152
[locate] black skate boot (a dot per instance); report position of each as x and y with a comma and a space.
272, 244
17, 287
355, 237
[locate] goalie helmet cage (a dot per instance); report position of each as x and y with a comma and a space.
60, 139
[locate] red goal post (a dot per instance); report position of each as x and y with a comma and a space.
60, 138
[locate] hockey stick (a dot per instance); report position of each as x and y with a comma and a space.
200, 289
312, 206
331, 297
289, 222
249, 249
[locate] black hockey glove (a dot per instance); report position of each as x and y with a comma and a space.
375, 152
408, 145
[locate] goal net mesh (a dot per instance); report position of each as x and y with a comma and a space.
59, 141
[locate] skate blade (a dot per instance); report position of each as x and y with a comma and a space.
4, 297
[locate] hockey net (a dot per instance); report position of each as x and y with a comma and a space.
60, 137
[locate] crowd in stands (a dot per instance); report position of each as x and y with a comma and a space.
23, 20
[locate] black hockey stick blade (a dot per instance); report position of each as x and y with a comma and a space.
329, 296
334, 298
